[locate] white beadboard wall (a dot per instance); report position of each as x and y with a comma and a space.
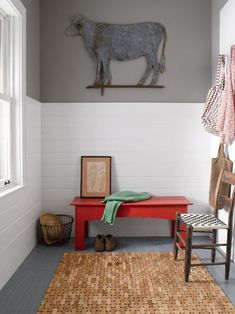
227, 38
156, 147
19, 210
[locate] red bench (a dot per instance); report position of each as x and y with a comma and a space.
88, 209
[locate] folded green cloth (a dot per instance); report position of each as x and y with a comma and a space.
113, 202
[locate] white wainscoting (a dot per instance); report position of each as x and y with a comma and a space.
227, 39
156, 147
19, 210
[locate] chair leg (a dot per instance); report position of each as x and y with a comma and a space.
213, 250
228, 253
188, 252
177, 225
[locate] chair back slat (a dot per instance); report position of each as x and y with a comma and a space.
228, 177
224, 202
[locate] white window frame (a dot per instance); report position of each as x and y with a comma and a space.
14, 89
2, 51
5, 95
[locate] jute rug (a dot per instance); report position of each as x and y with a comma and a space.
131, 283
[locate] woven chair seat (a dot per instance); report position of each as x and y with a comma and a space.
202, 222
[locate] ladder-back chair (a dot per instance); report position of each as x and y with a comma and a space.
208, 224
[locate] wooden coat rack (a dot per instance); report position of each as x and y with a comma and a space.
102, 87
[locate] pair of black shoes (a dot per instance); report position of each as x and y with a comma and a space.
104, 242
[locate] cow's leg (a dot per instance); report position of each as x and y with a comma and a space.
156, 70
147, 71
107, 73
98, 71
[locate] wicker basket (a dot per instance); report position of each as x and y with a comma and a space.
59, 231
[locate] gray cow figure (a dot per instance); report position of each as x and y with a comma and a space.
106, 42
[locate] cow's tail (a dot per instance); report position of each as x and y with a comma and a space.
163, 57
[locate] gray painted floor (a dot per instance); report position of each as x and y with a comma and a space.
25, 290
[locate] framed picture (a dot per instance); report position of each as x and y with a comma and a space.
95, 176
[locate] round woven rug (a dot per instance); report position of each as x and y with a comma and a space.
131, 283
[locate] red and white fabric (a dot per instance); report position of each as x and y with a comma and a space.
214, 99
226, 112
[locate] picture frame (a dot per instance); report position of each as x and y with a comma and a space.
95, 176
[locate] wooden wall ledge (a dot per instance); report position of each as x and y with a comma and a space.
102, 87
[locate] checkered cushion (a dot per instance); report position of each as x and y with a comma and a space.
202, 222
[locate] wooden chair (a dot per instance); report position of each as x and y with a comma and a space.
208, 224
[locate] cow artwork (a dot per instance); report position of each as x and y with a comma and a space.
106, 42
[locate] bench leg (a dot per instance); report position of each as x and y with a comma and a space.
80, 235
86, 229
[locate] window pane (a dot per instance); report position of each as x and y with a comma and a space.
1, 54
4, 43
4, 141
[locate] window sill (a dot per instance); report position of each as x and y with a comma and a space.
10, 190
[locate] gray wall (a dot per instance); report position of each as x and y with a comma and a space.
33, 48
217, 5
66, 67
